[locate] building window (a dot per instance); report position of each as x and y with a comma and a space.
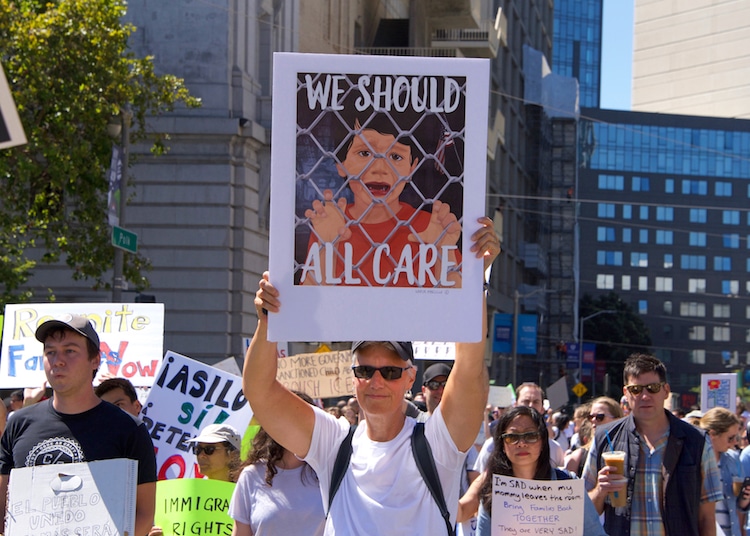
721, 333
693, 262
723, 189
730, 286
643, 307
663, 284
643, 236
668, 311
697, 333
609, 258
697, 239
639, 260
747, 311
605, 234
641, 184
606, 210
698, 357
626, 283
668, 260
643, 283
693, 309
730, 217
664, 237
723, 264
605, 281
721, 310
627, 235
611, 182
698, 215
643, 213
693, 187
696, 286
669, 187
665, 213
731, 241
627, 212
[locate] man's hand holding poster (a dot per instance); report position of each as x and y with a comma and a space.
377, 205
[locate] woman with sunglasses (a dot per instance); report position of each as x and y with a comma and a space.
604, 410
723, 426
524, 453
276, 493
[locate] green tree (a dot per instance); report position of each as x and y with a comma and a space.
70, 71
616, 335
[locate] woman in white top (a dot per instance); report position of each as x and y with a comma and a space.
276, 493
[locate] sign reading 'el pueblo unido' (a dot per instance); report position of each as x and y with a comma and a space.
381, 199
131, 340
186, 397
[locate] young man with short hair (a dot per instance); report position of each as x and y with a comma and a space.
121, 393
75, 425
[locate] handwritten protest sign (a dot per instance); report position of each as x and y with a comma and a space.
131, 339
186, 397
193, 506
718, 390
73, 498
344, 237
444, 351
522, 506
320, 375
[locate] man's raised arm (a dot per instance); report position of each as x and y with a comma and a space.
286, 417
465, 394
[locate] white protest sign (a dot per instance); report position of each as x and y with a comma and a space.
73, 498
500, 396
522, 506
557, 393
11, 129
131, 340
409, 272
445, 351
186, 397
320, 375
719, 390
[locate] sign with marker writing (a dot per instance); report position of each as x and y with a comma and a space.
536, 507
193, 506
131, 340
320, 375
186, 397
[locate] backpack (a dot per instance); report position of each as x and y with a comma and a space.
422, 453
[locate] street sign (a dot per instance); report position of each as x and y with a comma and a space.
579, 389
124, 239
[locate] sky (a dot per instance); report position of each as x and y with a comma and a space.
617, 54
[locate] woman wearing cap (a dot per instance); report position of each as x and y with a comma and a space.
276, 493
217, 449
523, 435
722, 427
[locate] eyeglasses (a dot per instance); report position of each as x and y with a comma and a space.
209, 449
652, 388
599, 417
365, 372
527, 437
434, 384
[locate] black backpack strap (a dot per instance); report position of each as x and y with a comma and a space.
422, 452
341, 464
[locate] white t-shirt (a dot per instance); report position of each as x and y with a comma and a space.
290, 506
556, 455
382, 491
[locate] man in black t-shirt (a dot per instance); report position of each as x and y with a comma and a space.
75, 425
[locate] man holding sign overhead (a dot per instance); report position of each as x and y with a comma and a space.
382, 491
75, 425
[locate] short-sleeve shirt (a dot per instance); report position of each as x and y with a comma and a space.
40, 435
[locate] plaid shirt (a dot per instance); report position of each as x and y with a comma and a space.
645, 513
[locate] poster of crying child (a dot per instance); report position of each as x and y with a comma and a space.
377, 180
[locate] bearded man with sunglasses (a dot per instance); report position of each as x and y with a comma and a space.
673, 482
382, 491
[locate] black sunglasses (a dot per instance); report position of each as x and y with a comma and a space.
527, 437
434, 384
598, 416
365, 372
209, 449
652, 388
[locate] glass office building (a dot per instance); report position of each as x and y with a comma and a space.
664, 223
577, 46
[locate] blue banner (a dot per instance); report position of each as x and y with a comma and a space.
503, 334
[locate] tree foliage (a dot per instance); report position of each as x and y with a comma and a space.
616, 335
70, 72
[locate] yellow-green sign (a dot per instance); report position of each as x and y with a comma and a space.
186, 506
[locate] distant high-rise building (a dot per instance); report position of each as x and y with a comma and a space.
692, 58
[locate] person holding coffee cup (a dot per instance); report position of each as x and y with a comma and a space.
673, 481
723, 426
